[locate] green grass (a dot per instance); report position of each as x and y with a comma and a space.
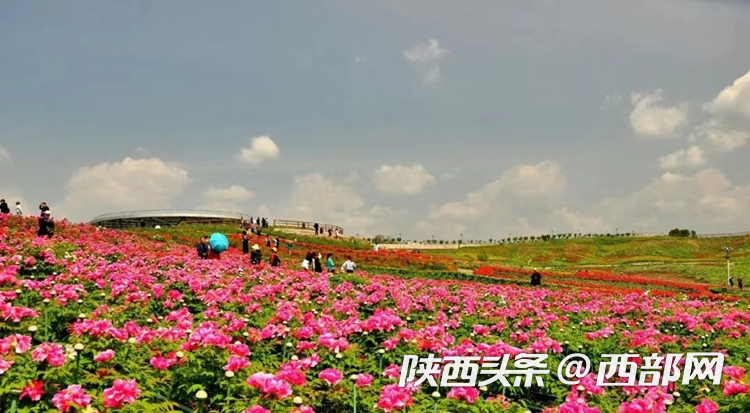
191, 233
699, 259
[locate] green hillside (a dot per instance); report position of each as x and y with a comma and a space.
678, 258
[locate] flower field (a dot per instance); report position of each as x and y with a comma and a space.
100, 320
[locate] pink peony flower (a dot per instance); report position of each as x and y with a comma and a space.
732, 387
52, 353
707, 406
364, 380
104, 356
331, 376
236, 363
121, 392
270, 385
256, 409
34, 390
72, 397
467, 394
393, 398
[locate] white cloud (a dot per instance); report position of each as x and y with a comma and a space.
231, 199
132, 184
649, 118
261, 149
426, 59
141, 151
693, 156
576, 221
4, 155
503, 205
734, 101
706, 201
719, 137
400, 179
318, 198
611, 100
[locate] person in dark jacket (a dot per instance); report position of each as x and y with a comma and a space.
43, 208
46, 225
255, 255
536, 278
245, 242
4, 209
275, 260
317, 265
203, 248
739, 282
317, 227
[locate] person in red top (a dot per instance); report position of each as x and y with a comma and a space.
275, 260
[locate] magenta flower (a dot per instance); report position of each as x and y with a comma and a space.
122, 392
72, 397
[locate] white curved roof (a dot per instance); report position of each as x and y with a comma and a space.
168, 213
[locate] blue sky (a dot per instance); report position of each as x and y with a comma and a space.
418, 117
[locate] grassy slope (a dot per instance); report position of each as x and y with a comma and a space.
664, 257
701, 259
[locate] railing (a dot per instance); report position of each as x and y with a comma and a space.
306, 225
726, 235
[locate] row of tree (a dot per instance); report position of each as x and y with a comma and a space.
684, 233
384, 239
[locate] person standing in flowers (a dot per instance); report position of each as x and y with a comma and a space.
275, 260
255, 256
348, 265
4, 207
536, 278
330, 266
46, 225
317, 265
19, 210
289, 246
739, 282
245, 242
306, 261
43, 208
203, 248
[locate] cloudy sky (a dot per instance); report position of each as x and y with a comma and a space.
421, 117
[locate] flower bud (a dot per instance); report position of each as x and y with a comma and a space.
297, 400
229, 373
201, 395
79, 347
436, 394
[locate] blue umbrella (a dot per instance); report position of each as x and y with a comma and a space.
218, 242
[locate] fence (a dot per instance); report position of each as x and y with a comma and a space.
306, 225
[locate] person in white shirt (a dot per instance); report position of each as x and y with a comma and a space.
19, 211
348, 265
306, 262
377, 247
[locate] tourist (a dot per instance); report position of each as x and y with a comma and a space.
376, 248
739, 282
536, 278
203, 248
4, 207
275, 260
43, 208
276, 242
19, 210
348, 266
289, 246
330, 232
317, 265
268, 241
336, 233
46, 225
245, 242
317, 227
330, 266
307, 260
255, 256
731, 282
